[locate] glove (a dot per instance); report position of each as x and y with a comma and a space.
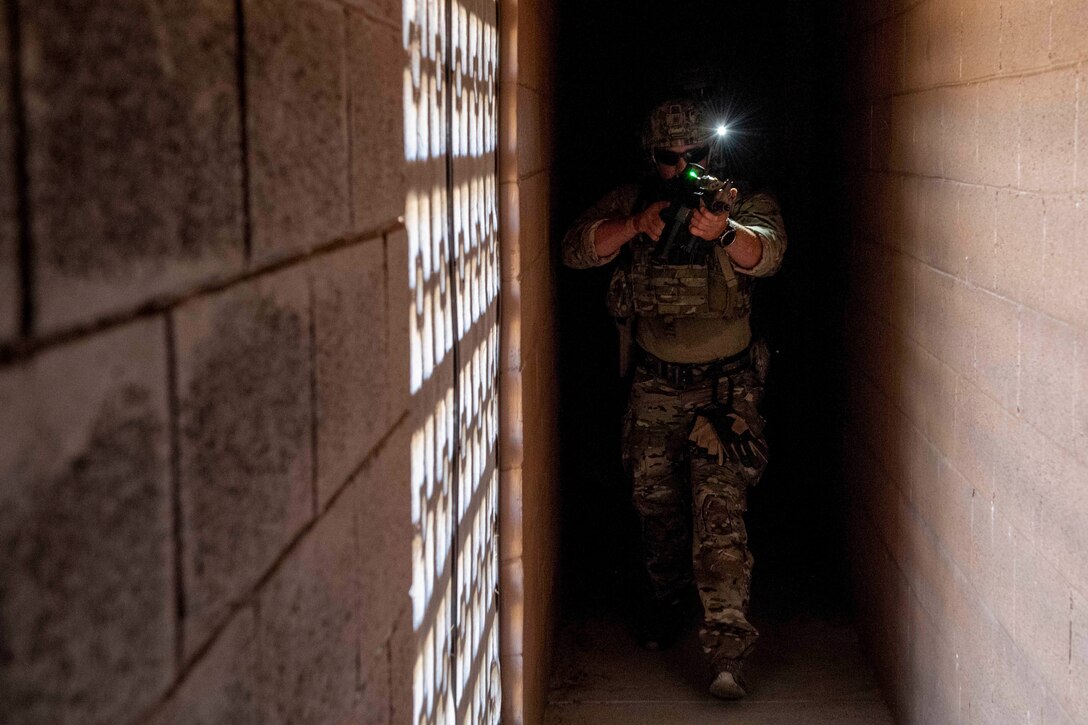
722, 435
704, 439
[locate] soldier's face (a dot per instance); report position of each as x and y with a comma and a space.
667, 170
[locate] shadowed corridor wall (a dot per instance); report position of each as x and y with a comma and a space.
966, 444
250, 361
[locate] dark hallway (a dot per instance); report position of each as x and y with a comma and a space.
763, 68
926, 411
783, 123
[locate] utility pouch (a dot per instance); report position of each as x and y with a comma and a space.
737, 291
619, 297
625, 333
671, 290
621, 308
761, 359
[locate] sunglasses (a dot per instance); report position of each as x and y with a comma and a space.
665, 157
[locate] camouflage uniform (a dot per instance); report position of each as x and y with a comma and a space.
691, 507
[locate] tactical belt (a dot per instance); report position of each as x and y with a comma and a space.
685, 375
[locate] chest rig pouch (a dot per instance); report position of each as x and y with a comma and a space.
711, 289
644, 287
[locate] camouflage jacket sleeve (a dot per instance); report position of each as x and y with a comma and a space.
578, 249
759, 214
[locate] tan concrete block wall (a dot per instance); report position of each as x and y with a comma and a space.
966, 331
204, 408
529, 536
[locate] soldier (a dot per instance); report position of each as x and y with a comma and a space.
693, 436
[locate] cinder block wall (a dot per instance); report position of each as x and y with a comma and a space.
967, 333
203, 363
529, 456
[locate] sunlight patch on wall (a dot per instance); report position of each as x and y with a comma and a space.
451, 217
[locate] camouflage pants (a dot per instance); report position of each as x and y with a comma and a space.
691, 508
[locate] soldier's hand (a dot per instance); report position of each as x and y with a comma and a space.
707, 225
721, 437
745, 447
705, 439
649, 222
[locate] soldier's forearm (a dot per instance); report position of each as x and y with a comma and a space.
747, 249
612, 234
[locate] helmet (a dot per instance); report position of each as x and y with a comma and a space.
677, 122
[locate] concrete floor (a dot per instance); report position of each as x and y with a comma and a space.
805, 671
